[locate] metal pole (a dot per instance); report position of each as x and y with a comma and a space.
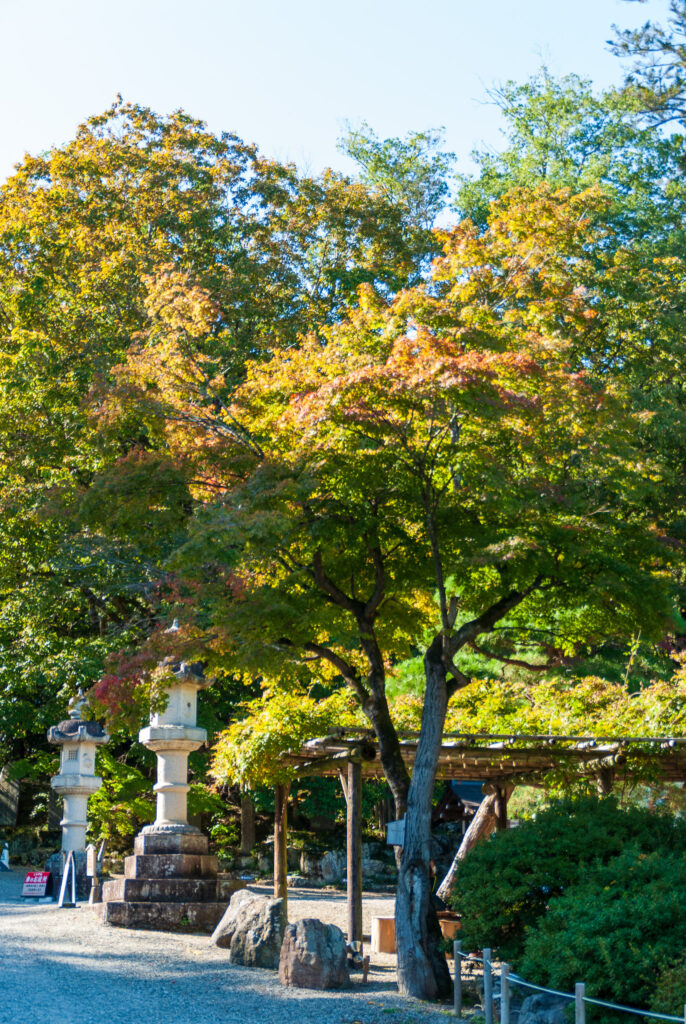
504, 994
488, 987
579, 1006
457, 954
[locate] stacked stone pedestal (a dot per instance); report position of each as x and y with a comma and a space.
170, 884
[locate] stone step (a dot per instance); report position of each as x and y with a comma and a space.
162, 916
170, 865
164, 890
170, 842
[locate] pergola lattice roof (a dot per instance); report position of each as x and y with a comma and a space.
505, 757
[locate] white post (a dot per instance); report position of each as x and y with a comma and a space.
504, 994
579, 1005
488, 987
457, 954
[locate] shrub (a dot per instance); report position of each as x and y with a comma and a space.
670, 991
505, 885
615, 929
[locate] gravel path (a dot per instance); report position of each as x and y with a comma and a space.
63, 967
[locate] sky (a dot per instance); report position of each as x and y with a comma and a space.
288, 75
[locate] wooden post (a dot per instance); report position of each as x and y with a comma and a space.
579, 1005
488, 987
280, 842
605, 780
501, 809
247, 823
457, 994
354, 851
504, 994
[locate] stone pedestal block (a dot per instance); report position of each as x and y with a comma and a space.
171, 884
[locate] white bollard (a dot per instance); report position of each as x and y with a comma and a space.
504, 994
488, 987
579, 1005
457, 954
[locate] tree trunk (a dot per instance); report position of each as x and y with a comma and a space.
422, 968
394, 768
247, 823
483, 823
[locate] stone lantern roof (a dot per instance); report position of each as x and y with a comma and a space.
76, 729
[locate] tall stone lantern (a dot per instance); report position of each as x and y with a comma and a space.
170, 882
172, 735
76, 781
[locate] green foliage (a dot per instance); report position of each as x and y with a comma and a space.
616, 927
124, 802
505, 886
670, 990
412, 172
251, 750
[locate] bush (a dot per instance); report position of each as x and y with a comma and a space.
505, 885
615, 929
670, 991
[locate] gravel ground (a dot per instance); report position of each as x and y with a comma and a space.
63, 967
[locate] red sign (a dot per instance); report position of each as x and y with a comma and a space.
36, 883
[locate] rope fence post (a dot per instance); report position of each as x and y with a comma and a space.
488, 987
579, 1006
504, 994
457, 993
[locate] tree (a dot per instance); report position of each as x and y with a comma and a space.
430, 466
657, 80
90, 514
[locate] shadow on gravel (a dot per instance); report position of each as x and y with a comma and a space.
52, 986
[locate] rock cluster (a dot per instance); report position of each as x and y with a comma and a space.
309, 954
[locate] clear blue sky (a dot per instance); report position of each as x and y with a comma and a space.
287, 75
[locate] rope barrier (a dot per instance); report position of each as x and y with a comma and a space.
527, 984
632, 1009
516, 980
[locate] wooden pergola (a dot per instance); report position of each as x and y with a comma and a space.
501, 761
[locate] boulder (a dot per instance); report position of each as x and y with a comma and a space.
252, 930
313, 955
543, 1008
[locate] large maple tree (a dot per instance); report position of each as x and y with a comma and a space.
438, 466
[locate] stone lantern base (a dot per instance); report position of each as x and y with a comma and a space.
170, 884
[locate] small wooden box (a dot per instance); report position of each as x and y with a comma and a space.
383, 935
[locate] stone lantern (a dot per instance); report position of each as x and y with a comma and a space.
172, 735
170, 882
76, 781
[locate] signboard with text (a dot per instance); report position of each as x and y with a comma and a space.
36, 883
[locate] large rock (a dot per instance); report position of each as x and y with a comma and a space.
328, 867
252, 930
543, 1008
313, 955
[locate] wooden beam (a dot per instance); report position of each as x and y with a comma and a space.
354, 851
281, 842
